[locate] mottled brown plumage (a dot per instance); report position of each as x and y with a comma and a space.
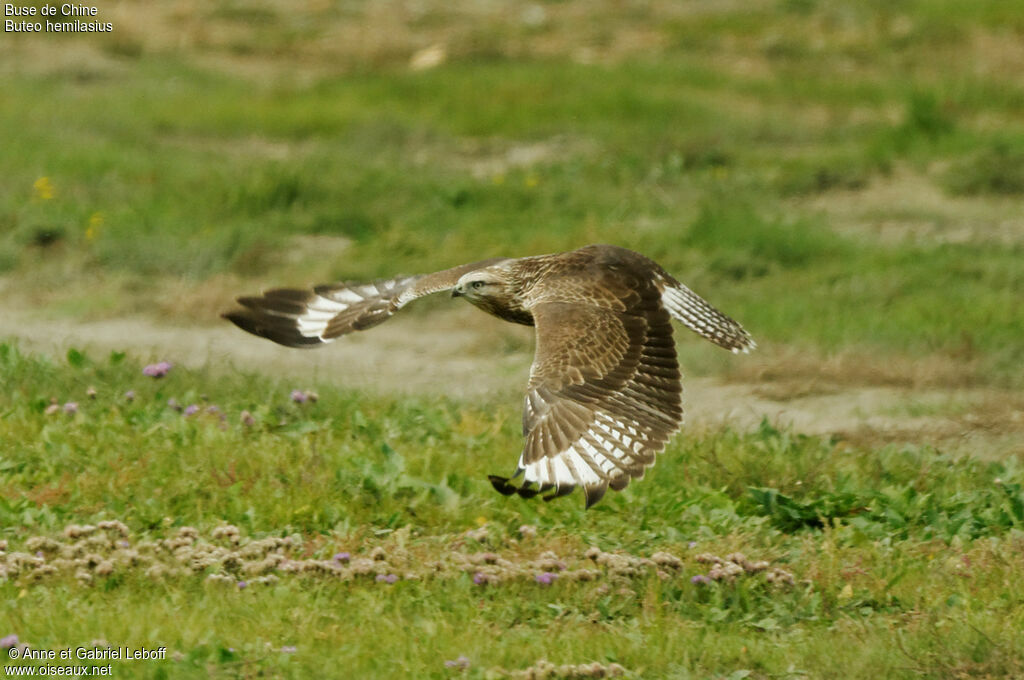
604, 394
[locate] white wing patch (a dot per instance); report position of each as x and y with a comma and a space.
308, 318
610, 450
330, 302
312, 323
346, 296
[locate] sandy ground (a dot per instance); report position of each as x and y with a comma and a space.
465, 354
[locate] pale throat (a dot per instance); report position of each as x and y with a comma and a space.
507, 307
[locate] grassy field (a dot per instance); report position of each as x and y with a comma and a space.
240, 537
846, 181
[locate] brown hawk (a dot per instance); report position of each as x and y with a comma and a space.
604, 394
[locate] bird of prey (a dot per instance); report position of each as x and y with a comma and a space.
605, 391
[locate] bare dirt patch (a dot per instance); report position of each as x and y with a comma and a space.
909, 207
462, 353
785, 373
492, 158
414, 355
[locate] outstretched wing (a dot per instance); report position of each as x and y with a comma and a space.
699, 316
604, 395
309, 318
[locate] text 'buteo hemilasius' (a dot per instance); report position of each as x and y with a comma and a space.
604, 394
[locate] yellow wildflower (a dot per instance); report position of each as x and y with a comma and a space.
95, 222
531, 180
44, 188
498, 179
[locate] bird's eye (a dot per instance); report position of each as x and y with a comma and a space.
477, 284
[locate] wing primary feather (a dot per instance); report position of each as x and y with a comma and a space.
525, 491
307, 318
560, 491
589, 460
594, 493
501, 485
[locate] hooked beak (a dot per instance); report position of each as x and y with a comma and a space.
457, 291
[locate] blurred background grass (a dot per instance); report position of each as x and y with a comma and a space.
836, 176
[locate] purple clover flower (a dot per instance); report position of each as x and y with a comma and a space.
691, 545
298, 396
479, 579
342, 557
462, 663
173, 403
545, 578
191, 410
71, 408
9, 641
129, 395
387, 578
157, 370
700, 579
242, 585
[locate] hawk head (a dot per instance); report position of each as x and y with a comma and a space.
494, 290
488, 282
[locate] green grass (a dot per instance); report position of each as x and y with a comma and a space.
759, 153
147, 184
898, 547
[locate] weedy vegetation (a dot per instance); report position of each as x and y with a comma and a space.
846, 181
199, 506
